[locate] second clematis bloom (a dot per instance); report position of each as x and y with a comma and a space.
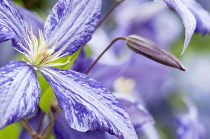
86, 104
194, 16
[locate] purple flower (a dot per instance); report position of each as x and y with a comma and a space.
86, 104
194, 17
196, 85
138, 114
189, 125
148, 19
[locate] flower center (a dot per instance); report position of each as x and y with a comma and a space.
39, 52
124, 85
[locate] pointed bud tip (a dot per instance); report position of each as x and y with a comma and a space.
183, 68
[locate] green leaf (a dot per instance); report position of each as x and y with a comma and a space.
10, 132
46, 100
51, 137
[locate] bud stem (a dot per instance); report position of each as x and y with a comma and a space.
26, 125
41, 122
109, 12
116, 39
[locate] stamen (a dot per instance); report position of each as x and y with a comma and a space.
39, 53
20, 51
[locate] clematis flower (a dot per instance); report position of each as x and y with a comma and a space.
194, 17
197, 89
148, 19
86, 104
189, 124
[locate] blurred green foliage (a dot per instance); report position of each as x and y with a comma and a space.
11, 131
199, 44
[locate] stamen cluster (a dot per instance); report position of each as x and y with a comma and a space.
39, 52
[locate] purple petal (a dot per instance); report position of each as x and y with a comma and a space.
19, 92
63, 131
32, 20
189, 125
136, 111
5, 32
11, 18
187, 18
72, 23
149, 131
88, 105
201, 15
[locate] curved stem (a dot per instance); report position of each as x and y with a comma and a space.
109, 12
49, 127
29, 3
29, 129
26, 125
40, 123
119, 38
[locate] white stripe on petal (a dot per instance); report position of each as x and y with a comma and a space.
19, 92
187, 18
71, 23
88, 105
11, 18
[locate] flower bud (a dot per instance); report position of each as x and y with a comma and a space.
151, 50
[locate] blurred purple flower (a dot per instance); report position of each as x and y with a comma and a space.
151, 20
137, 112
6, 52
194, 17
196, 85
189, 125
205, 4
